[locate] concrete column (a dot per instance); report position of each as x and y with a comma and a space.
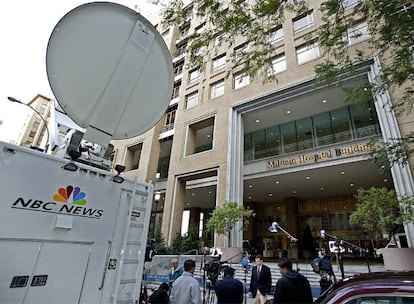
173, 210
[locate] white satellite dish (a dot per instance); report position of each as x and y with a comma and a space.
110, 70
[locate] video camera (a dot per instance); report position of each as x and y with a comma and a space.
213, 267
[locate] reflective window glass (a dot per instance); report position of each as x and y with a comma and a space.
272, 141
341, 125
304, 133
247, 147
363, 121
259, 144
322, 129
288, 135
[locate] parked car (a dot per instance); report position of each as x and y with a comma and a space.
386, 287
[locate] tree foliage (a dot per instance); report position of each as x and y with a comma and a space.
380, 208
225, 217
233, 22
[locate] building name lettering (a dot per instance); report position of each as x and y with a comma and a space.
320, 156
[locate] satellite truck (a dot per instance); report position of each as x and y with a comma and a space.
72, 232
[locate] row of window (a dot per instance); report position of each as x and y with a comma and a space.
326, 128
304, 53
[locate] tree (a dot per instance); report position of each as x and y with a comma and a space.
379, 209
390, 40
225, 217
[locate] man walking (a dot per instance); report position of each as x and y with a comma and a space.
260, 282
229, 290
186, 288
292, 287
175, 272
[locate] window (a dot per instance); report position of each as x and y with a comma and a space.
176, 90
170, 117
217, 89
181, 49
347, 4
322, 129
36, 124
304, 133
200, 136
341, 125
219, 62
241, 80
191, 100
357, 33
200, 29
288, 136
272, 141
307, 52
178, 69
365, 120
275, 35
184, 32
32, 134
165, 34
240, 51
259, 144
133, 156
278, 65
303, 22
220, 39
193, 75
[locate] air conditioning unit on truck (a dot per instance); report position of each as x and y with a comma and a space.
72, 232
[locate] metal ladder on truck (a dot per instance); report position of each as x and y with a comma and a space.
132, 257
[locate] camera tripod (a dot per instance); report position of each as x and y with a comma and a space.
211, 295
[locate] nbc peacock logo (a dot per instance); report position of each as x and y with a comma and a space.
67, 200
64, 195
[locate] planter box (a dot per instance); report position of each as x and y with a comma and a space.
398, 259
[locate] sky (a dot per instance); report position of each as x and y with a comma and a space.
25, 28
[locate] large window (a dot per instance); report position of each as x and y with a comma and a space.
193, 75
357, 33
364, 119
240, 51
219, 62
344, 124
275, 35
304, 133
323, 129
308, 52
272, 141
347, 4
176, 90
288, 136
278, 65
341, 126
217, 89
133, 156
191, 100
241, 80
200, 136
303, 22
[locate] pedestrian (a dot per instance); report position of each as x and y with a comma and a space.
175, 272
229, 290
160, 296
186, 290
292, 287
260, 282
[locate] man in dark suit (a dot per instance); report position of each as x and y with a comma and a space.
229, 290
260, 282
292, 287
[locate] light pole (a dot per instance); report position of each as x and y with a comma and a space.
157, 197
12, 99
